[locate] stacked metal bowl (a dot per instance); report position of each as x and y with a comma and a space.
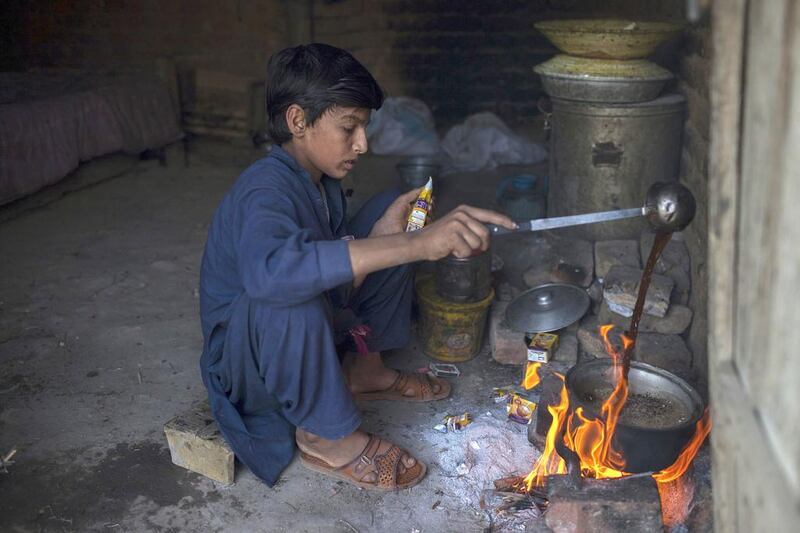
603, 60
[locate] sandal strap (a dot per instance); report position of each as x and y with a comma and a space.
421, 385
384, 465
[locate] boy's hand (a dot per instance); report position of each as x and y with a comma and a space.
461, 232
395, 217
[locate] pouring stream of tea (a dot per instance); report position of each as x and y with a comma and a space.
661, 240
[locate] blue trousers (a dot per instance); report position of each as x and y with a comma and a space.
279, 367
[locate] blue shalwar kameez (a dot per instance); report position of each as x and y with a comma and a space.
276, 300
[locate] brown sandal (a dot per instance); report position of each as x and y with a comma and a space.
386, 466
421, 384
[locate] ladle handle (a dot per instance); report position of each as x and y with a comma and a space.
494, 229
541, 224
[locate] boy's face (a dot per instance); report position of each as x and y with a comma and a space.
332, 145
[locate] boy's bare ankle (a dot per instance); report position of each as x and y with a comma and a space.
337, 452
367, 373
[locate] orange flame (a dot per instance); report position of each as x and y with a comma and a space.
531, 375
591, 438
687, 455
550, 462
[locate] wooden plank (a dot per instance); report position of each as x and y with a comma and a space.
754, 184
723, 178
758, 497
774, 376
761, 140
728, 36
766, 299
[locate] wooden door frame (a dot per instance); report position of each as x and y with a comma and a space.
751, 491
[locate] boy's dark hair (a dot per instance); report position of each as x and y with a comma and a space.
316, 77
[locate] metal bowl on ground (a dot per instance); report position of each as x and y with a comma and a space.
602, 80
415, 171
607, 38
652, 433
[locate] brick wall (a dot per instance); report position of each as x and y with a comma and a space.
462, 56
693, 81
459, 57
236, 37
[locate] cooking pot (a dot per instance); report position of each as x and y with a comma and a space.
655, 444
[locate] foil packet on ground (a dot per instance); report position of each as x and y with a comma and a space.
520, 409
502, 394
444, 369
454, 423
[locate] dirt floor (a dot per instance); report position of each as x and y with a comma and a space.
99, 347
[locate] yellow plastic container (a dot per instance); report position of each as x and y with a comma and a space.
450, 331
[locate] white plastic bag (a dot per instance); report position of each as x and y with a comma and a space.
402, 126
483, 141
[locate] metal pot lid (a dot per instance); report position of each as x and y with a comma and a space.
547, 307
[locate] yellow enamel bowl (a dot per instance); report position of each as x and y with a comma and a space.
602, 80
607, 38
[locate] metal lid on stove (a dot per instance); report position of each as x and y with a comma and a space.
547, 307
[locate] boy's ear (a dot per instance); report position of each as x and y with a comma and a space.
296, 120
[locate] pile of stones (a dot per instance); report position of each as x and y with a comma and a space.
610, 271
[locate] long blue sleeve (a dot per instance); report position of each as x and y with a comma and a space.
279, 261
271, 240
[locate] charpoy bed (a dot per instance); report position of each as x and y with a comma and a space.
51, 120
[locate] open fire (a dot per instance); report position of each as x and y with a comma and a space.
591, 438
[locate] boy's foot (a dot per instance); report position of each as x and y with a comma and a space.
369, 379
364, 460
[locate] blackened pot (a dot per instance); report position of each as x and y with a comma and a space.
645, 449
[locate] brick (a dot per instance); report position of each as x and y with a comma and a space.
701, 514
338, 9
675, 322
450, 22
664, 351
549, 394
196, 444
589, 339
595, 292
562, 260
567, 352
697, 104
508, 345
695, 71
674, 262
505, 291
602, 505
697, 40
621, 287
611, 253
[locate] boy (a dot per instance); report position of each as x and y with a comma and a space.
286, 280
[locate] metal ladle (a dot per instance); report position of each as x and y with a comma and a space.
668, 206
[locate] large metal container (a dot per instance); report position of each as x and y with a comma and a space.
606, 156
